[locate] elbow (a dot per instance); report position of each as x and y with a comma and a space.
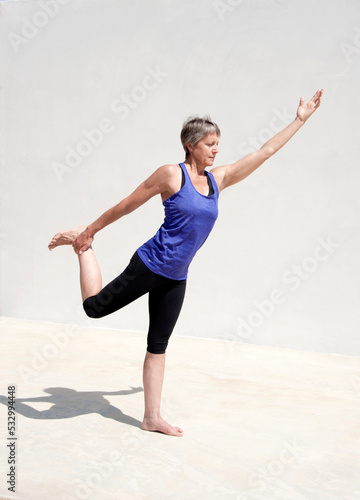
267, 152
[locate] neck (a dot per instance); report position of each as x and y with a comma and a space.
194, 166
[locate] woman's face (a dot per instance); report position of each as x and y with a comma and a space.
205, 150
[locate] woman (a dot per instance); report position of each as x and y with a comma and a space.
159, 267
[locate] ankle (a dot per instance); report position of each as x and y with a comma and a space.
152, 415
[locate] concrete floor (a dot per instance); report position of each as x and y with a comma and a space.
260, 423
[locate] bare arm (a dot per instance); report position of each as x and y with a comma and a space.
157, 183
227, 175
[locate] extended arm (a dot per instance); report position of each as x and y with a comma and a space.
228, 175
157, 183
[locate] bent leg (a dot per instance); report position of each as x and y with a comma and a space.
90, 275
134, 282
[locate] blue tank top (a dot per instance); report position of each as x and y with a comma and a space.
189, 219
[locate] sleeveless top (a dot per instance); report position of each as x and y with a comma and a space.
189, 219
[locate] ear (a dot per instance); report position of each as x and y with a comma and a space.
189, 148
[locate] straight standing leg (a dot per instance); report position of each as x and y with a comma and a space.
153, 377
165, 304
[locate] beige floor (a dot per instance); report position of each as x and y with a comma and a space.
260, 423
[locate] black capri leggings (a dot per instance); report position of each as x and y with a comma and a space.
166, 297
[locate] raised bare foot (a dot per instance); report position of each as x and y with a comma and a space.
159, 425
65, 237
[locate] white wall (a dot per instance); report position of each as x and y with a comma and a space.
66, 67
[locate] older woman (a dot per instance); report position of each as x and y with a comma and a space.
160, 266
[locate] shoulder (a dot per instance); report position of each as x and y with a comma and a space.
164, 172
219, 175
166, 178
169, 169
167, 173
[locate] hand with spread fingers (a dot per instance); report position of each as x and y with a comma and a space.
306, 110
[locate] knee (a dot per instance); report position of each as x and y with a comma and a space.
157, 347
92, 310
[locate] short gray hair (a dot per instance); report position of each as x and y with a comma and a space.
196, 128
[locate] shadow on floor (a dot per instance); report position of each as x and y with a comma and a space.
68, 403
